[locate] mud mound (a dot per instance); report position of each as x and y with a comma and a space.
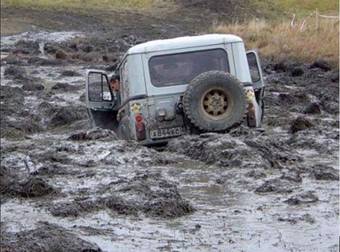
34, 187
276, 186
295, 219
61, 54
307, 88
302, 198
19, 75
154, 196
44, 62
67, 115
27, 47
45, 238
74, 208
212, 148
92, 49
32, 86
312, 108
65, 87
93, 134
15, 121
12, 99
322, 64
300, 123
12, 185
241, 152
5, 180
53, 156
146, 193
15, 72
69, 73
20, 128
321, 172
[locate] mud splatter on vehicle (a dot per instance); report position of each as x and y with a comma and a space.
67, 187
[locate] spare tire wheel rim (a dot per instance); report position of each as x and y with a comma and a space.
216, 104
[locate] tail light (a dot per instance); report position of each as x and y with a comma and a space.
140, 127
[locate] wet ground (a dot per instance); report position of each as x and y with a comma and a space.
66, 187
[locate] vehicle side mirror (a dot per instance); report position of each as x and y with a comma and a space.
254, 68
99, 87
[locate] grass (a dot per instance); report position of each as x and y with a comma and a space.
80, 4
308, 5
273, 38
279, 40
276, 38
278, 8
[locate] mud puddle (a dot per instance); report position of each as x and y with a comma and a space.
273, 189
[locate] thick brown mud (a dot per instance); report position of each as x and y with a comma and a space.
67, 187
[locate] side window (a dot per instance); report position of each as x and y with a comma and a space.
253, 67
124, 80
98, 87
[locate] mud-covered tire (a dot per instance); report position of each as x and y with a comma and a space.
200, 92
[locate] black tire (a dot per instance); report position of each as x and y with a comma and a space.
215, 101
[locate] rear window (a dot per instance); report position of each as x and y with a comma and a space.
179, 69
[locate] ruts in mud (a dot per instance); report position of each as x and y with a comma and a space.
67, 187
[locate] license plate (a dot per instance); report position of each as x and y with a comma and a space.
165, 133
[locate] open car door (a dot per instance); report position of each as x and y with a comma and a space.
255, 70
258, 86
100, 100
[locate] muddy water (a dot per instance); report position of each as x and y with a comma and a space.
249, 190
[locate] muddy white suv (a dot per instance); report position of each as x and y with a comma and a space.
205, 83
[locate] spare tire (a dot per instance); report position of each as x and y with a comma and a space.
215, 101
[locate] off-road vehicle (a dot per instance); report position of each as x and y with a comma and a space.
205, 83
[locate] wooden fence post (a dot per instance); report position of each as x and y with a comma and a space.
317, 21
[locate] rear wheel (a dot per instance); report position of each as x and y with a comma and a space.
215, 101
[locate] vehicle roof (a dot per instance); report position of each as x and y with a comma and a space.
183, 42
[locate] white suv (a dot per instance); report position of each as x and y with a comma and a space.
172, 86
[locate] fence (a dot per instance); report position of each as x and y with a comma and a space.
318, 17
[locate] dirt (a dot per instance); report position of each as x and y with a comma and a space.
68, 187
302, 198
46, 238
146, 193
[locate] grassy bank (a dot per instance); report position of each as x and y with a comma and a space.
80, 4
280, 40
278, 8
305, 6
305, 39
274, 37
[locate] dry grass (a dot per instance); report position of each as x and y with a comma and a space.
80, 4
281, 40
308, 5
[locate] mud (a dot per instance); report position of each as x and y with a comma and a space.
93, 134
68, 187
147, 193
46, 238
13, 185
302, 198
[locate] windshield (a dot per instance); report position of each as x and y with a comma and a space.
179, 69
